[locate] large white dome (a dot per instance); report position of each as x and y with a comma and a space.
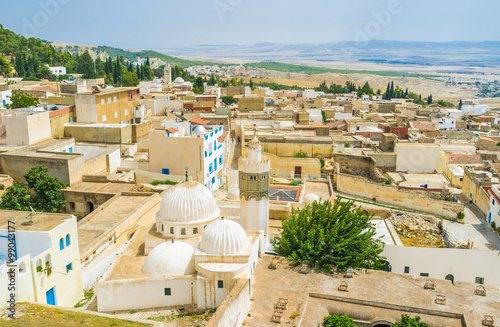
188, 202
223, 237
179, 80
170, 259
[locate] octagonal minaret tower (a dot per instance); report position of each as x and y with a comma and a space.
254, 189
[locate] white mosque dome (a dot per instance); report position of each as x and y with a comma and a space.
223, 237
170, 259
179, 80
200, 130
188, 202
311, 197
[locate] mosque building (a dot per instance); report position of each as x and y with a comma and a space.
192, 256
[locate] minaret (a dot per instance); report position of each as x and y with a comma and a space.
167, 72
254, 189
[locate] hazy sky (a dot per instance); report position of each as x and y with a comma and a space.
160, 24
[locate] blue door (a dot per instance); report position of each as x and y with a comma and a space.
51, 297
489, 218
165, 171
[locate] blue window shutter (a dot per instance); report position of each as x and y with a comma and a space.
61, 244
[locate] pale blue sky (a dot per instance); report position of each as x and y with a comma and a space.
160, 24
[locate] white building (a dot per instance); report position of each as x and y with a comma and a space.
191, 257
475, 109
46, 261
494, 212
196, 146
309, 94
417, 157
5, 94
446, 124
57, 70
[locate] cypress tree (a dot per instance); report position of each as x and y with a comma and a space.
387, 92
460, 104
429, 99
392, 90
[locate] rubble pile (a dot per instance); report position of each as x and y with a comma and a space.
408, 222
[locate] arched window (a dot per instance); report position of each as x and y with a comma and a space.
67, 240
47, 260
61, 244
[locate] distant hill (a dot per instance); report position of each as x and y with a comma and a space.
458, 53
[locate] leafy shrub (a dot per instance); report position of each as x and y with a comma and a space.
460, 215
347, 144
300, 154
295, 183
339, 320
165, 182
387, 181
494, 225
407, 321
322, 162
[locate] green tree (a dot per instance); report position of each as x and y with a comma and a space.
86, 65
406, 321
198, 85
228, 100
5, 68
130, 79
16, 197
20, 99
339, 320
429, 99
326, 235
47, 189
460, 104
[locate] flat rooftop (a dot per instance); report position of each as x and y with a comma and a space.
102, 187
105, 219
372, 296
42, 222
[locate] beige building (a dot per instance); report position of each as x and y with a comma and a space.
109, 106
24, 127
251, 103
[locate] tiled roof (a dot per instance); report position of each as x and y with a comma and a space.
423, 127
376, 118
199, 121
221, 138
172, 130
464, 159
45, 88
486, 138
337, 124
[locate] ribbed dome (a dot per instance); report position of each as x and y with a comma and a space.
223, 237
188, 202
179, 80
170, 259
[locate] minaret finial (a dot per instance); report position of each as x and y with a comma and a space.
187, 175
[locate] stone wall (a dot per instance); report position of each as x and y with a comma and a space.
235, 308
390, 194
99, 133
140, 130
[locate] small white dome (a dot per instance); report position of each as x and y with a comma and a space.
179, 80
223, 237
188, 202
311, 197
200, 129
170, 259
